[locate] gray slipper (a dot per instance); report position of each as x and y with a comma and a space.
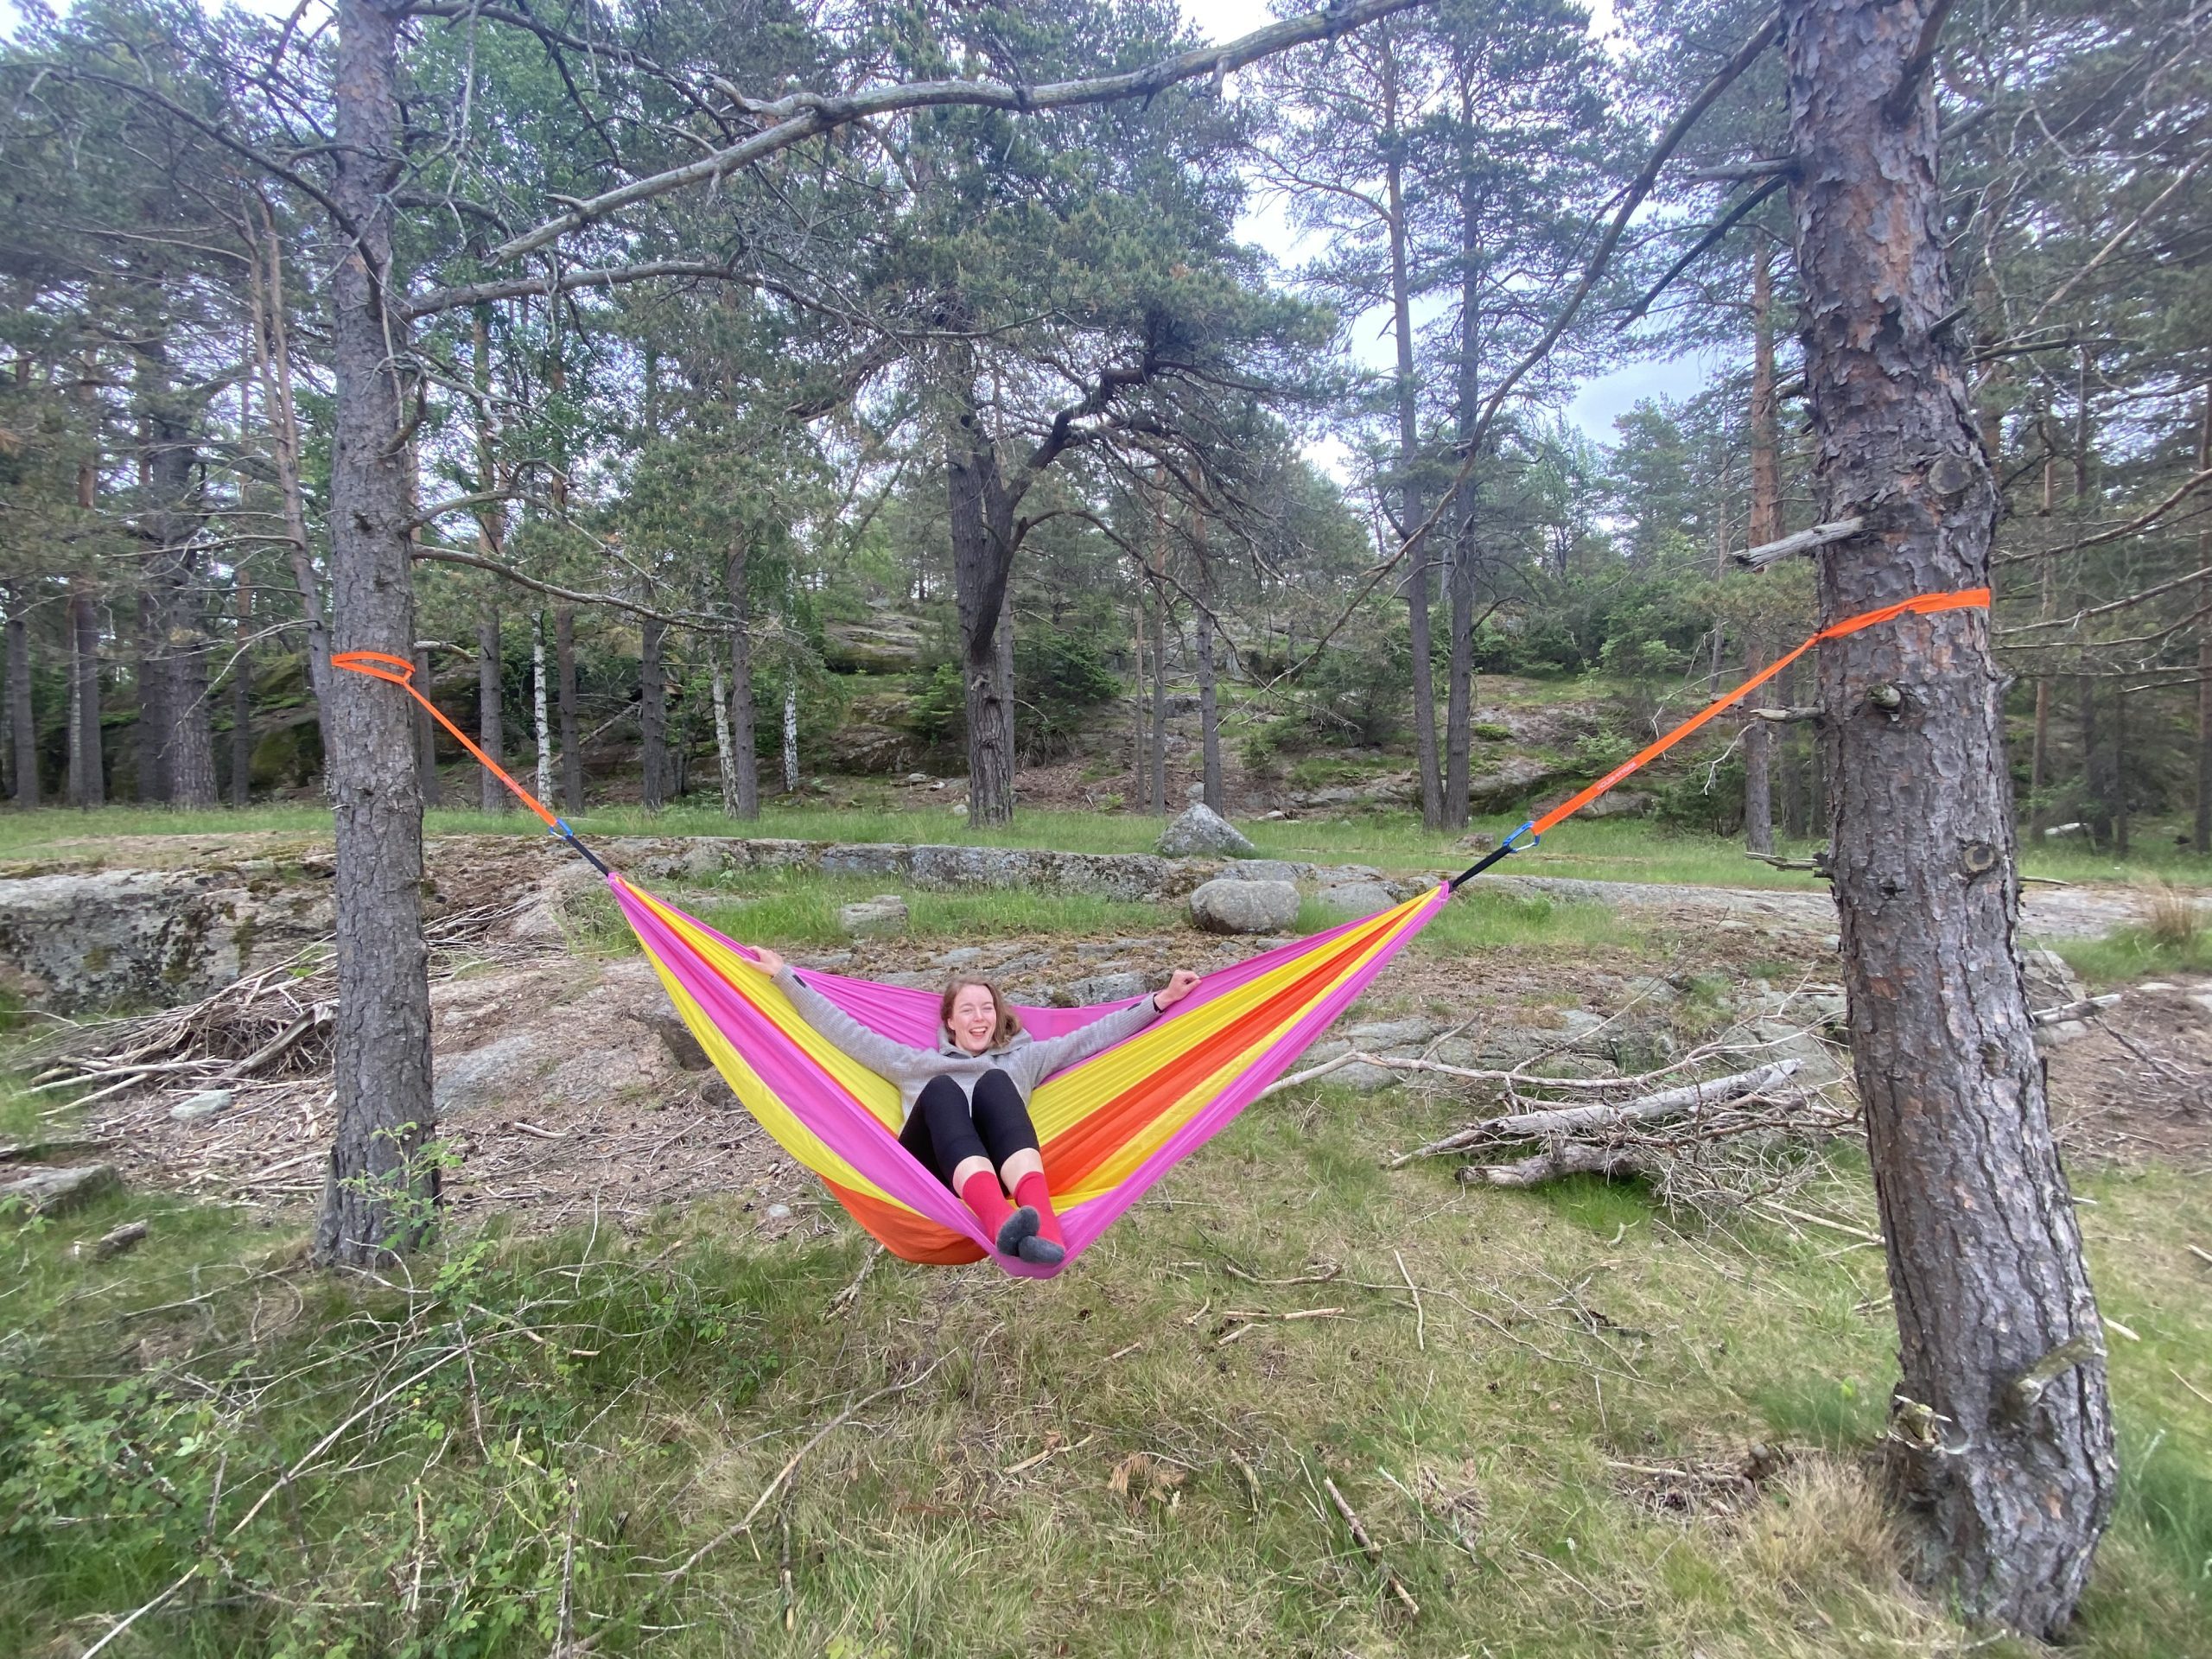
1042, 1252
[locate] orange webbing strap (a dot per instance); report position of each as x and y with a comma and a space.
397, 670
1966, 599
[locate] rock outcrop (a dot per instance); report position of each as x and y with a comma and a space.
1232, 906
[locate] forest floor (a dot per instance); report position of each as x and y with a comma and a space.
1572, 1420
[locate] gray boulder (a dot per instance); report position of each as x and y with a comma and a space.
1225, 906
48, 1191
1356, 898
206, 1103
1261, 869
1199, 831
1109, 988
884, 913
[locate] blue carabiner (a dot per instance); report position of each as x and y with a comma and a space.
1513, 844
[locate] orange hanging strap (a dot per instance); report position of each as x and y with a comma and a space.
397, 670
1966, 599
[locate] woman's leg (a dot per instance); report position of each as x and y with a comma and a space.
957, 1153
1009, 1133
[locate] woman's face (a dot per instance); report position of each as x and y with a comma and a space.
974, 1017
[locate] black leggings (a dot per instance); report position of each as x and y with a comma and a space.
944, 1133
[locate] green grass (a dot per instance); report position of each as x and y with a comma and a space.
669, 1375
2132, 953
1600, 850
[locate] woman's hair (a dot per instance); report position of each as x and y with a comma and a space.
1009, 1025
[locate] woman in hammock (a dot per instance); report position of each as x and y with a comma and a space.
967, 1101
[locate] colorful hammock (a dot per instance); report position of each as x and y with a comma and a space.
1109, 1127
1112, 1125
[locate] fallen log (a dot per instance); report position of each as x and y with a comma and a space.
1598, 1118
1568, 1157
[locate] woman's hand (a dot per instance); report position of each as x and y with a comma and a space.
1178, 986
771, 963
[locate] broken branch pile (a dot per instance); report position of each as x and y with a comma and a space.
1671, 1136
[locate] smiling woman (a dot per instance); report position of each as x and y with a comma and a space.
966, 1102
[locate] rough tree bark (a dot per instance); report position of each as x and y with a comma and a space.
87, 761
491, 707
564, 669
377, 1195
2013, 1477
22, 720
652, 713
1766, 526
741, 739
426, 729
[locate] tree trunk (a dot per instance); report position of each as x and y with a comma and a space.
725, 750
1411, 507
2202, 839
1796, 822
652, 714
22, 720
981, 522
1209, 788
242, 699
1765, 526
426, 729
87, 761
572, 759
541, 724
2119, 767
184, 733
1459, 690
2039, 768
1002, 677
2014, 1478
742, 741
275, 367
491, 708
153, 703
791, 733
2096, 765
377, 1196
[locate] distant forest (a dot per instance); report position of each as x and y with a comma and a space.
984, 365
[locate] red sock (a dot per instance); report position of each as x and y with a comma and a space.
983, 1194
1031, 1189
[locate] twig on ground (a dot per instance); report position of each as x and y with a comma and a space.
1421, 1319
1367, 1547
677, 1573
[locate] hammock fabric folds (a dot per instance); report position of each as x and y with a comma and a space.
1110, 1126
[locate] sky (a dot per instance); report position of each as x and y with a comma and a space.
1595, 402
1600, 399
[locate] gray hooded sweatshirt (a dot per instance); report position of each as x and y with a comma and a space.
1024, 1060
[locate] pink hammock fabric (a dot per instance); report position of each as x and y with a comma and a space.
1110, 1126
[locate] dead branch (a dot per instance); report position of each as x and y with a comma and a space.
1690, 1100
1805, 541
1567, 1158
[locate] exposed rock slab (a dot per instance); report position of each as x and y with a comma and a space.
49, 1192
